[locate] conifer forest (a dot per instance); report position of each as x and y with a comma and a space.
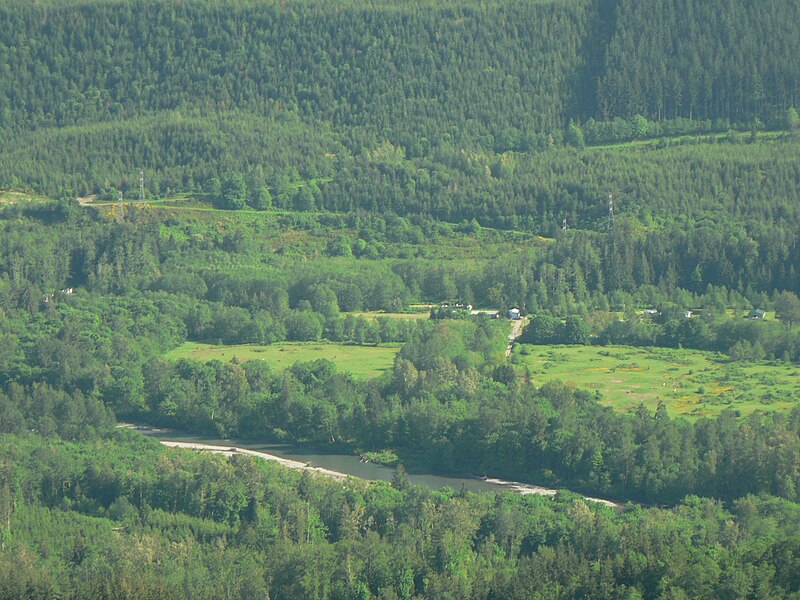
475, 299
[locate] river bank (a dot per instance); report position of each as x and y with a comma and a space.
233, 450
341, 465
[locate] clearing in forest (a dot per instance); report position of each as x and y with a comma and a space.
407, 316
361, 361
12, 197
690, 382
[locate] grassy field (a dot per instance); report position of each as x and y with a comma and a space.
361, 361
690, 382
374, 314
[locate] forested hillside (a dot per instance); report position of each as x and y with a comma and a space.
707, 60
93, 92
407, 69
329, 190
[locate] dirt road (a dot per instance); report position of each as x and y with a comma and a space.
516, 330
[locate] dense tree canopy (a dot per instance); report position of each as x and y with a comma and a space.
119, 517
389, 96
309, 167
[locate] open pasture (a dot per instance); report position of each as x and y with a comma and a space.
691, 383
361, 361
373, 315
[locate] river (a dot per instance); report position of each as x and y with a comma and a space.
331, 464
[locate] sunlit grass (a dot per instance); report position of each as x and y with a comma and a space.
361, 361
691, 383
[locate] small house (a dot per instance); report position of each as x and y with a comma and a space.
514, 314
757, 314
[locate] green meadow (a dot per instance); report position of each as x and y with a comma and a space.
372, 315
691, 383
361, 361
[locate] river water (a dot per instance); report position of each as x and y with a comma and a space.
349, 464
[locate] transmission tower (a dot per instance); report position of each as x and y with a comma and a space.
141, 184
610, 211
564, 225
